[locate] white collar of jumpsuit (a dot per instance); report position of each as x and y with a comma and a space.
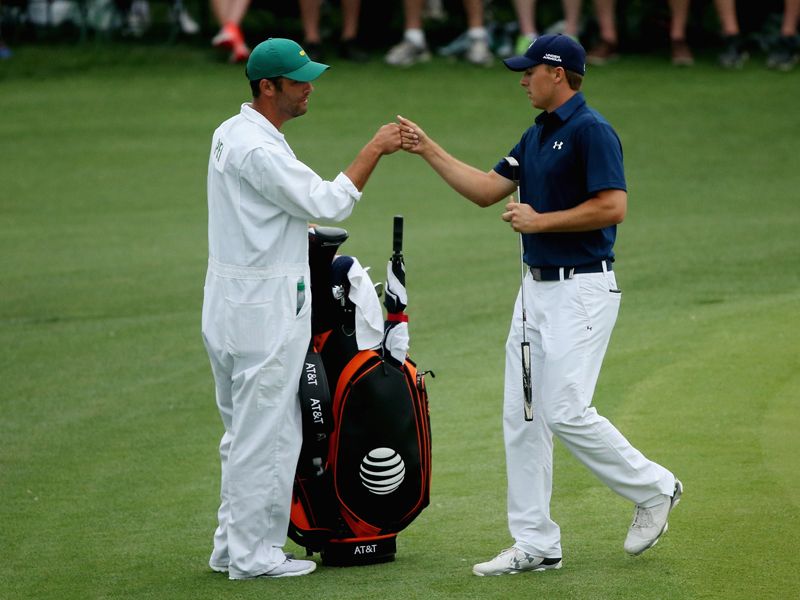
255, 117
251, 114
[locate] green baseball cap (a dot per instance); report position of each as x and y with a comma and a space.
279, 57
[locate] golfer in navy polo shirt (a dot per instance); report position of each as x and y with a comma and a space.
573, 195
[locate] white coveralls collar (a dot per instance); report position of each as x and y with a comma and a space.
251, 114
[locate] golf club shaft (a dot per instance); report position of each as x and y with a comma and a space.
525, 347
527, 387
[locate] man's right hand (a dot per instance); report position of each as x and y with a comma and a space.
387, 139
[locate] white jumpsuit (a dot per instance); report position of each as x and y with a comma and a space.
260, 199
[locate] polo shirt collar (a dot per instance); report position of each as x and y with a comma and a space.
565, 111
251, 114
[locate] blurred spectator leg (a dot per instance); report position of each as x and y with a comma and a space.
413, 49
348, 44
681, 53
229, 14
312, 39
572, 18
784, 55
182, 19
605, 50
478, 52
5, 51
526, 18
138, 17
734, 53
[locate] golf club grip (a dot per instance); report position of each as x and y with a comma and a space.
397, 238
527, 384
514, 164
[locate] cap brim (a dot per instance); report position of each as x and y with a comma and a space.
519, 63
308, 72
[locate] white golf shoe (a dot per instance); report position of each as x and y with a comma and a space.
291, 567
650, 523
288, 568
512, 561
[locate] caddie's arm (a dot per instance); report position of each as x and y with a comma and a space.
481, 188
385, 141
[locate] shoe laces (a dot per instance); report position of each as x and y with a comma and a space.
642, 518
516, 557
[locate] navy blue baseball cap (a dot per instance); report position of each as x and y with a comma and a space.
557, 50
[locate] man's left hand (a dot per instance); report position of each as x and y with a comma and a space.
521, 217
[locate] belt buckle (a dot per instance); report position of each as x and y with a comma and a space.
536, 273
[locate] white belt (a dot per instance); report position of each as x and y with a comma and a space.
240, 272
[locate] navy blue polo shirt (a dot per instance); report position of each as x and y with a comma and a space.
565, 158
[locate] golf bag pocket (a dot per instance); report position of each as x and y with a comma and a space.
381, 445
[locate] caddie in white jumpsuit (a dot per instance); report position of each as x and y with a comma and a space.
256, 320
573, 194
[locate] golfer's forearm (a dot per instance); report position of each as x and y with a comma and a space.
475, 185
606, 209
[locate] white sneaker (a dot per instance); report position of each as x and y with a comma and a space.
406, 54
479, 53
291, 568
187, 24
288, 568
218, 567
222, 567
138, 17
512, 561
650, 523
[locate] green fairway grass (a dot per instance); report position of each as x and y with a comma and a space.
109, 471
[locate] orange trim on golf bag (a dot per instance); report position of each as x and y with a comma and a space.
319, 340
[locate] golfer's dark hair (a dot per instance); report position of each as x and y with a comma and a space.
254, 87
574, 80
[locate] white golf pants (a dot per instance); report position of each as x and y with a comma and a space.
569, 324
256, 344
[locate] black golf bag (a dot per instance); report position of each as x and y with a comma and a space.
365, 465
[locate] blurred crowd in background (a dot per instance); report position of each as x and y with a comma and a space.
403, 33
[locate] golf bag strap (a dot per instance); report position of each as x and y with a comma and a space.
316, 413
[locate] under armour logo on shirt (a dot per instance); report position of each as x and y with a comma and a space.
557, 145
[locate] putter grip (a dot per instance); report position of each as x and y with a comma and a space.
397, 238
527, 381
